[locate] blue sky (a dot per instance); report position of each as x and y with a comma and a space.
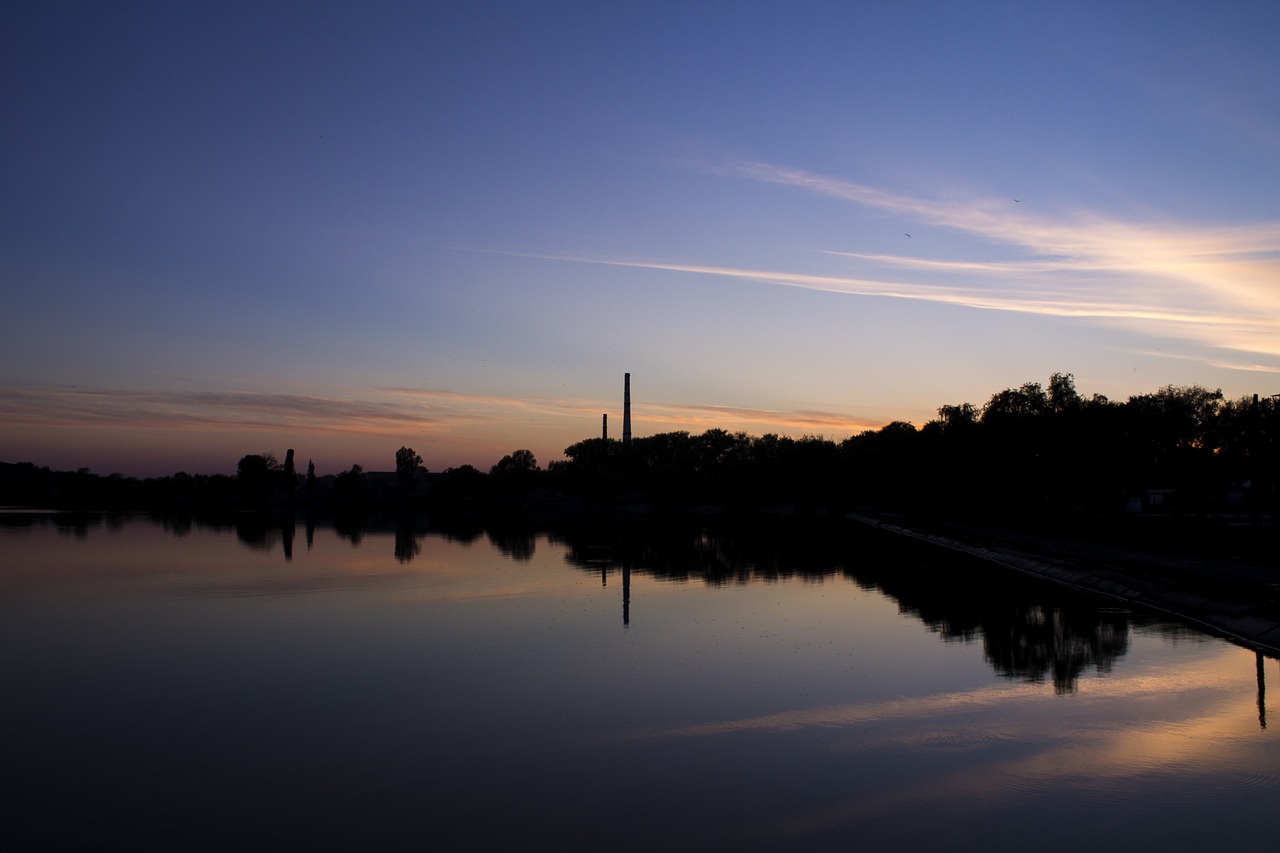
230, 228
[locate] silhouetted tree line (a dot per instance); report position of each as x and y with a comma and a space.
1027, 450
261, 483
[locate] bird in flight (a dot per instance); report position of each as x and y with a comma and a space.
1018, 199
908, 235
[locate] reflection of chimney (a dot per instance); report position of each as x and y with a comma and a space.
626, 594
1262, 694
604, 426
626, 410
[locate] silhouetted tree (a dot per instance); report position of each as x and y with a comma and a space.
459, 487
1177, 417
595, 469
514, 476
959, 417
289, 475
408, 464
1062, 394
350, 485
517, 463
256, 473
1015, 403
1247, 437
1170, 436
256, 467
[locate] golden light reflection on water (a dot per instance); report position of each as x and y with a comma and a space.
1022, 740
1211, 677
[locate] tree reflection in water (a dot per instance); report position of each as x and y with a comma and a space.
407, 544
514, 541
1029, 629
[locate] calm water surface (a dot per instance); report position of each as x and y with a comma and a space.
256, 687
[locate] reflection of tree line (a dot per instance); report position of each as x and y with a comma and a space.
1029, 630
263, 532
266, 531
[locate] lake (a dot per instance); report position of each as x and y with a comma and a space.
647, 686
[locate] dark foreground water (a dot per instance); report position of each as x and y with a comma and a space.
650, 687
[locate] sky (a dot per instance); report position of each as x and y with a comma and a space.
343, 228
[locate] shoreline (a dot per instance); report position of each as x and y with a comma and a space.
1238, 602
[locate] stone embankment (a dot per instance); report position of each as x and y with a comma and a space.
1240, 602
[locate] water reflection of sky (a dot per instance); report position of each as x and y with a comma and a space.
313, 696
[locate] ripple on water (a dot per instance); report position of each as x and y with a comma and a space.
1152, 791
956, 740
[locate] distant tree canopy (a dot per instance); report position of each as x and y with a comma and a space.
408, 464
514, 464
258, 474
1028, 448
256, 467
463, 486
350, 485
513, 478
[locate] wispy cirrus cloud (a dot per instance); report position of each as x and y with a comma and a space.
808, 421
132, 409
1215, 285
1083, 237
1040, 300
372, 411
666, 415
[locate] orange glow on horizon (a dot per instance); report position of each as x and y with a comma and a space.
161, 433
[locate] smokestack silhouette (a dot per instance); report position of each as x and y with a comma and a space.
626, 410
604, 426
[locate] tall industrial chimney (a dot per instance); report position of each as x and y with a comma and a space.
626, 410
604, 426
